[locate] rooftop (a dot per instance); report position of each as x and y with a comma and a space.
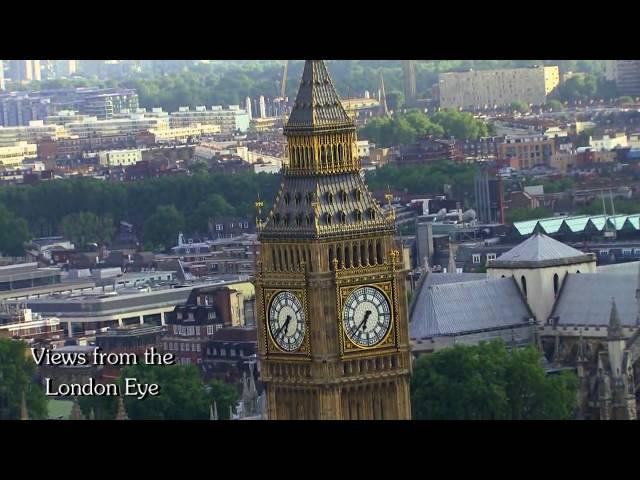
540, 250
444, 309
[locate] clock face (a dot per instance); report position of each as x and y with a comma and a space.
366, 316
286, 321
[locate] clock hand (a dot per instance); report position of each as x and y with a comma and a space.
284, 326
364, 321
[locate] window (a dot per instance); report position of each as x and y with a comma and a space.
626, 251
475, 258
232, 352
197, 331
604, 252
214, 351
556, 282
491, 256
523, 282
219, 227
197, 347
209, 329
223, 352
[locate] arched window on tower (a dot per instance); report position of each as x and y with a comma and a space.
330, 258
556, 282
379, 253
347, 257
523, 282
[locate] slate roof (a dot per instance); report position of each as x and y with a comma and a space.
344, 206
317, 106
468, 306
540, 250
625, 268
585, 299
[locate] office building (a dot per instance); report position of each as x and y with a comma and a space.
480, 89
230, 120
627, 74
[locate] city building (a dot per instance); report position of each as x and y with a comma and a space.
65, 68
63, 117
120, 157
609, 142
131, 124
22, 71
182, 134
19, 108
328, 265
34, 132
231, 119
13, 155
2, 85
526, 151
223, 256
627, 74
361, 110
409, 76
479, 89
17, 321
128, 339
548, 294
102, 307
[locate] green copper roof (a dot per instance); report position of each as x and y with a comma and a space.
551, 225
576, 224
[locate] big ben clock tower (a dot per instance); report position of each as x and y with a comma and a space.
330, 286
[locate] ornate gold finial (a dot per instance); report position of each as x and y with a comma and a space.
388, 197
259, 204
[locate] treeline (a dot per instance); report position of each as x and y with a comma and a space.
224, 83
155, 206
426, 179
88, 211
407, 128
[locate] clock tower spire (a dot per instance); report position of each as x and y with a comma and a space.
330, 287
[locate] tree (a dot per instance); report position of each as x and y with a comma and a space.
199, 168
555, 105
182, 394
520, 106
84, 228
17, 376
224, 395
104, 407
489, 382
163, 226
521, 214
461, 125
14, 233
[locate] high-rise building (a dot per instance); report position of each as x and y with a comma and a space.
261, 103
247, 107
489, 88
409, 73
628, 77
65, 68
330, 285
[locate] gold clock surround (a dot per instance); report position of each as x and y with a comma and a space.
272, 348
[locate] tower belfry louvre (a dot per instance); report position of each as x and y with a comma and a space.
330, 286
